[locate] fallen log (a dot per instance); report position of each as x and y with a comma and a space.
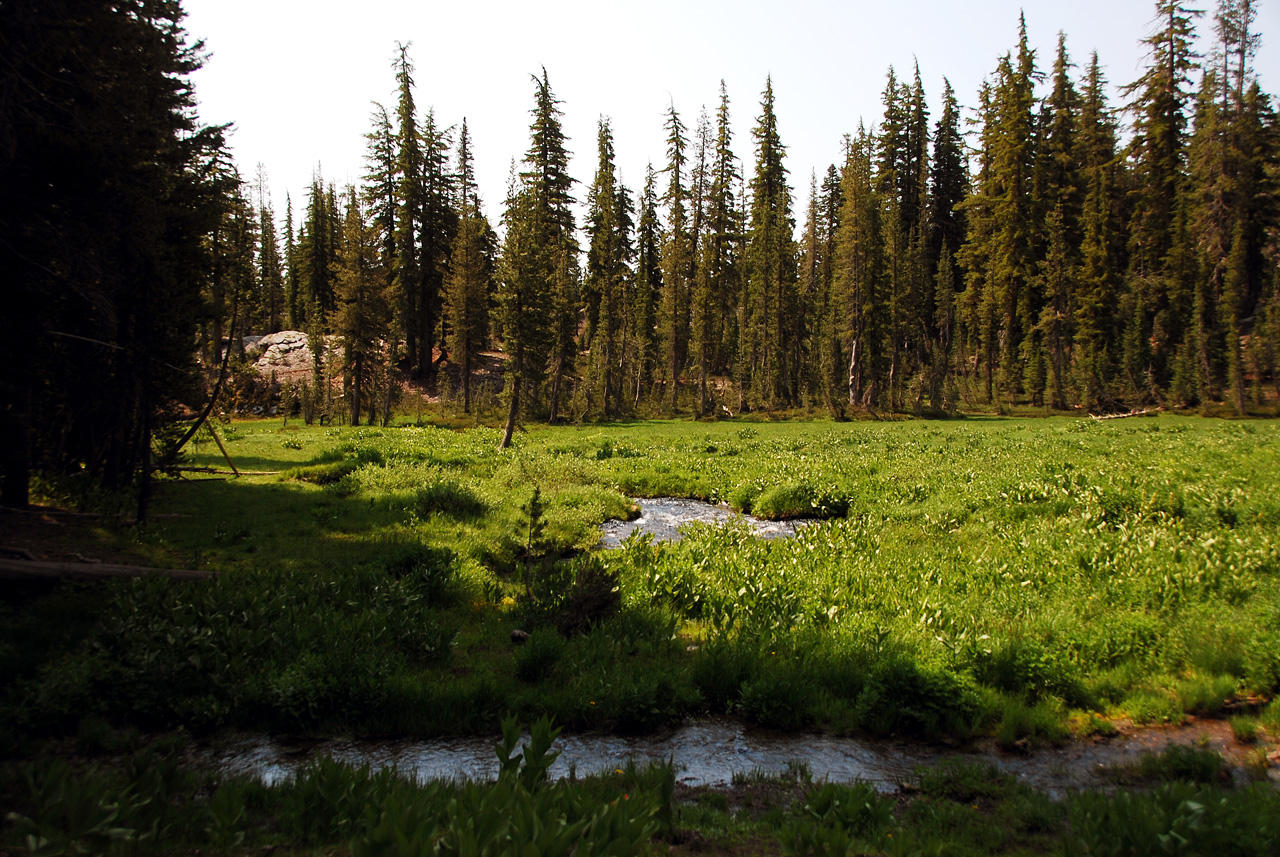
25, 569
1142, 413
228, 472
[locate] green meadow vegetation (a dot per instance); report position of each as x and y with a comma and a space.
1024, 579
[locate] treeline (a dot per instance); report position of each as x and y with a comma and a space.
1033, 258
1042, 253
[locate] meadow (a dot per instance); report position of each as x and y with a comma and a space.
1027, 579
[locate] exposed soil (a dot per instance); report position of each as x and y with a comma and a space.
57, 535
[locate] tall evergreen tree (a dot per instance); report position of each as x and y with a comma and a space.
471, 269
647, 296
1158, 306
381, 195
722, 246
1102, 240
270, 265
537, 293
108, 195
409, 272
860, 276
363, 312
607, 276
676, 260
772, 311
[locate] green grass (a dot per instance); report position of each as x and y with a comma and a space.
1007, 577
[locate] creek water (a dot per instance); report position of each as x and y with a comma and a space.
710, 753
662, 518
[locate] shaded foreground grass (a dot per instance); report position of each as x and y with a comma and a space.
148, 803
1018, 578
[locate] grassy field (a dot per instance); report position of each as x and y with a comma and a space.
1020, 578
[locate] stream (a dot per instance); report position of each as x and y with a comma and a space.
662, 518
709, 753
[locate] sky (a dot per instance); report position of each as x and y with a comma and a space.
298, 78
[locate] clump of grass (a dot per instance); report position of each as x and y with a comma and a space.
1244, 728
450, 498
1175, 763
323, 473
1039, 722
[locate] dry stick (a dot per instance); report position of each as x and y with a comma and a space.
217, 388
24, 569
218, 441
1141, 413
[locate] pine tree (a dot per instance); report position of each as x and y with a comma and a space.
467, 296
1101, 246
722, 248
408, 271
435, 238
381, 195
537, 293
471, 270
949, 185
110, 189
270, 265
647, 296
676, 261
607, 276
363, 312
860, 277
293, 276
318, 251
831, 380
772, 310
1158, 305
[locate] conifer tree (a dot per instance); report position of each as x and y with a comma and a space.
772, 310
830, 378
435, 238
409, 267
467, 296
538, 283
647, 296
860, 274
722, 246
607, 276
949, 185
1102, 239
362, 312
1158, 304
381, 195
293, 279
471, 269
676, 260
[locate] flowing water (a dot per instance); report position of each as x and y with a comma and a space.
662, 518
711, 752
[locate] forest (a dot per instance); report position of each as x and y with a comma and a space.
1053, 249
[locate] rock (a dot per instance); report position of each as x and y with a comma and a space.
519, 638
287, 355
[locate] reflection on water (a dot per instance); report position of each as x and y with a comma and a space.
711, 752
662, 518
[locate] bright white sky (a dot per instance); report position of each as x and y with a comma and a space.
297, 77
